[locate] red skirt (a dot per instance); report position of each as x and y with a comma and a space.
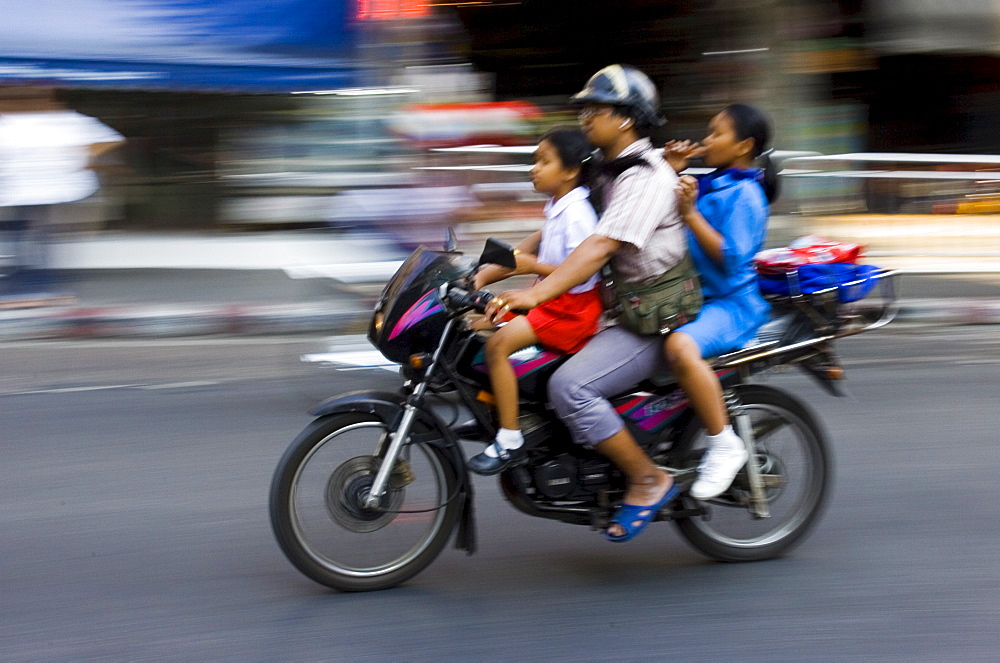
567, 322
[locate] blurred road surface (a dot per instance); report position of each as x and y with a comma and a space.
133, 512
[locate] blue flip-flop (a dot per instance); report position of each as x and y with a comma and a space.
628, 515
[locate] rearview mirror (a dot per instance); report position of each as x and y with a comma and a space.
450, 241
498, 253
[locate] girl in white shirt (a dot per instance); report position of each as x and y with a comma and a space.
562, 169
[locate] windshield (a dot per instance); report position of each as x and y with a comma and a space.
404, 275
429, 268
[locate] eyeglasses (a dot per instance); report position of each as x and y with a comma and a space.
593, 111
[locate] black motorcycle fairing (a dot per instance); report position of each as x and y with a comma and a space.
410, 316
388, 407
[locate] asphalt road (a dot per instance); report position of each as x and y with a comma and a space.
134, 526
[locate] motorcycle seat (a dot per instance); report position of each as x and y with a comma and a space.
782, 329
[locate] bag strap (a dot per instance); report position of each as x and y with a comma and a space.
607, 173
684, 269
616, 167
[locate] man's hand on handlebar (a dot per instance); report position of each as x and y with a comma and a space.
517, 301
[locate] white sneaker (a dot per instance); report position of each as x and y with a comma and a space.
719, 466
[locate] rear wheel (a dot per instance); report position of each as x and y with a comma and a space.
793, 457
318, 510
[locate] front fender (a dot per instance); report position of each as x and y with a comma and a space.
388, 407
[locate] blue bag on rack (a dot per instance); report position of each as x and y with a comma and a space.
853, 281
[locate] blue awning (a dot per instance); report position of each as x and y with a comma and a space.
196, 45
132, 75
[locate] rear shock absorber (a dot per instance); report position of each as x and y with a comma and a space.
744, 428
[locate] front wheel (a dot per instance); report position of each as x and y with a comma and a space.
321, 521
794, 460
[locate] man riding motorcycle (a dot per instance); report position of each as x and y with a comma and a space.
642, 236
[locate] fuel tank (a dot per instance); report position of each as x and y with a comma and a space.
533, 366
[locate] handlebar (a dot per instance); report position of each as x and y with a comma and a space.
476, 300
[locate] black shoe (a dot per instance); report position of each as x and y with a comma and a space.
488, 465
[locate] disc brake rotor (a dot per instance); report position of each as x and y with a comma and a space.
347, 491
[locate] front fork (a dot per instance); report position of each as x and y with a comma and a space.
402, 432
744, 428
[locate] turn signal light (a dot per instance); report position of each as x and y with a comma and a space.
419, 361
379, 320
486, 397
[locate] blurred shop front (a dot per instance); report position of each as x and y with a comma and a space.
803, 62
837, 76
237, 113
258, 114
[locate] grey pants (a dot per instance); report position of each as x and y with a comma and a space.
614, 361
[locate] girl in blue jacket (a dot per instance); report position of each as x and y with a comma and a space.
726, 216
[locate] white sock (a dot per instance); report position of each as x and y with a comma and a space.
506, 439
726, 439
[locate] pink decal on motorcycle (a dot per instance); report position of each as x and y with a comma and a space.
521, 367
422, 308
625, 407
655, 410
532, 365
661, 417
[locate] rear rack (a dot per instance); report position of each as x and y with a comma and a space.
803, 321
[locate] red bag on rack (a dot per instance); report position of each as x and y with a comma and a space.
805, 251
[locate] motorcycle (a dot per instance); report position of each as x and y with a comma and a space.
372, 490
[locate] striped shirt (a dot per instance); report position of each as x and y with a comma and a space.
642, 214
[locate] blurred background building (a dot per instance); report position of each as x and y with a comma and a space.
260, 114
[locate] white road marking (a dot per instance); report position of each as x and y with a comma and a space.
179, 385
108, 387
68, 390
